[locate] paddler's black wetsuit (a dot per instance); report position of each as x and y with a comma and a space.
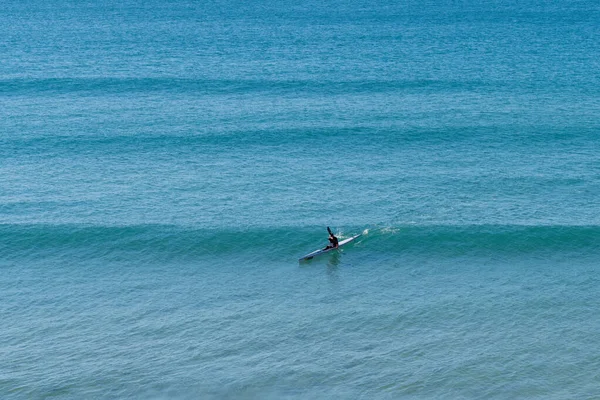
333, 242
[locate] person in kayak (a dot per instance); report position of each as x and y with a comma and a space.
333, 241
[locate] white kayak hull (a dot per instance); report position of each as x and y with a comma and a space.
323, 251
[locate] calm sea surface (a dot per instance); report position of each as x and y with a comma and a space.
164, 164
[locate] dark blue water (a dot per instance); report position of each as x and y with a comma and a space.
164, 164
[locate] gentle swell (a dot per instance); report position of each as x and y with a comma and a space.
162, 243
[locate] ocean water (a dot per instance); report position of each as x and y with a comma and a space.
164, 164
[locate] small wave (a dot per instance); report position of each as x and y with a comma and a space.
127, 85
159, 242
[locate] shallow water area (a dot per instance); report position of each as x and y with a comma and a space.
353, 322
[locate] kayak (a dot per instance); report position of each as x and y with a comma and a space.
323, 251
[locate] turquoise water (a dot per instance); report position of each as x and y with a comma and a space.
163, 165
